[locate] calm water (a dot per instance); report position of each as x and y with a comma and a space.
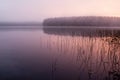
60, 54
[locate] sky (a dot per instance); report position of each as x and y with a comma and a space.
38, 10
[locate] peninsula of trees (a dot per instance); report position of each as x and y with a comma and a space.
83, 21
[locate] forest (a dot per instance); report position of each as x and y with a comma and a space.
83, 21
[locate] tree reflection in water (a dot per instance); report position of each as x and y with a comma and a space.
96, 51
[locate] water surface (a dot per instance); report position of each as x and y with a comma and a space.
60, 54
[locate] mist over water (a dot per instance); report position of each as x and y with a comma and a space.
59, 40
60, 54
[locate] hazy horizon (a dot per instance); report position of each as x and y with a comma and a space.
37, 10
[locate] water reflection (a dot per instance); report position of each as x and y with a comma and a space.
92, 54
85, 32
60, 54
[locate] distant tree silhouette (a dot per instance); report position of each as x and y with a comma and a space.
82, 21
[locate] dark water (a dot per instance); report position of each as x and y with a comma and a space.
60, 54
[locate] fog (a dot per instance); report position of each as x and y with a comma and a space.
37, 10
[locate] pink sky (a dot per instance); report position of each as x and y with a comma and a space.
37, 10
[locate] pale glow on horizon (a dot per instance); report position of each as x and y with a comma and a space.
37, 10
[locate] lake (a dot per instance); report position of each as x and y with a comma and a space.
60, 54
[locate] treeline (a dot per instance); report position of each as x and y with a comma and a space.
20, 24
83, 21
